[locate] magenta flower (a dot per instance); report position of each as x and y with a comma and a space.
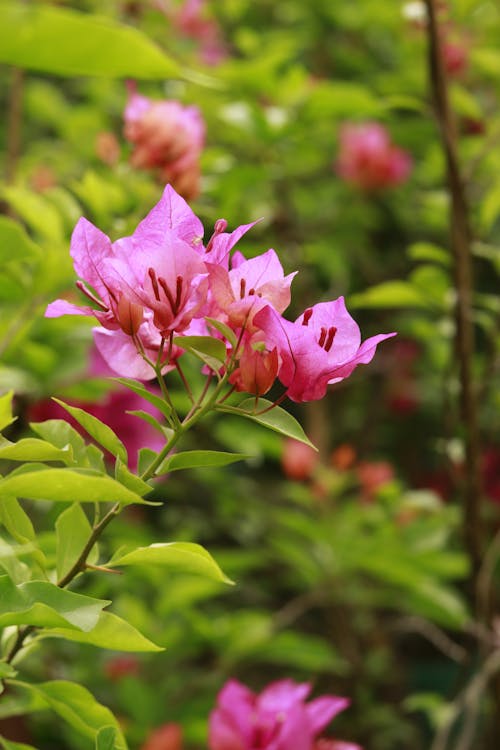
322, 347
368, 160
167, 137
144, 287
277, 719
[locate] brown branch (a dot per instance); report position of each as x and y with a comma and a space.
460, 238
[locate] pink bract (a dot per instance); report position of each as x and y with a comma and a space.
368, 159
162, 281
322, 347
277, 719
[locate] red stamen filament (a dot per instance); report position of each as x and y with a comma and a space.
178, 292
307, 316
243, 285
81, 286
329, 341
154, 282
168, 293
322, 337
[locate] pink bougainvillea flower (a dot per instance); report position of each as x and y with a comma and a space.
322, 347
368, 159
249, 286
276, 719
169, 278
167, 137
143, 287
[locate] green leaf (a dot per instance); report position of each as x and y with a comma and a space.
6, 670
16, 520
101, 433
130, 480
10, 562
46, 605
193, 459
185, 557
105, 738
224, 329
76, 706
110, 632
72, 533
6, 417
9, 745
210, 350
33, 449
146, 417
146, 458
426, 251
143, 392
33, 208
275, 419
60, 433
14, 242
68, 43
389, 294
66, 486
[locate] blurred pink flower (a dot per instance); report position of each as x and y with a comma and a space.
373, 475
167, 137
166, 737
191, 20
119, 667
276, 719
322, 347
368, 159
455, 57
298, 460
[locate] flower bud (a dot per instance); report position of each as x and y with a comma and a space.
129, 316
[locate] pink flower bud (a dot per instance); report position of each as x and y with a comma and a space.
129, 316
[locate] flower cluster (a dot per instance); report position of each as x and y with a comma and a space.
368, 159
163, 282
277, 719
167, 137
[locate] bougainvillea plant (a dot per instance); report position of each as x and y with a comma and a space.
160, 296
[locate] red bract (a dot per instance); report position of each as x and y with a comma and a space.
368, 159
322, 347
277, 719
167, 137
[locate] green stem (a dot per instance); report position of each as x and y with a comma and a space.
78, 567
